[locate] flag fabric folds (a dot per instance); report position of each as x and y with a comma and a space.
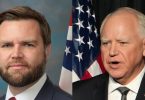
82, 58
65, 82
86, 59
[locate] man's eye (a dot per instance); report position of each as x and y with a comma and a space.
29, 45
6, 45
123, 43
104, 43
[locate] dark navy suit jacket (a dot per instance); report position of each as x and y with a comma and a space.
97, 89
50, 92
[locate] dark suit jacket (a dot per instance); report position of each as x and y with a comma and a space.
97, 89
50, 92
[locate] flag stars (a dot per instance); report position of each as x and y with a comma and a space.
88, 11
89, 27
79, 56
93, 16
96, 32
80, 8
67, 50
80, 39
80, 24
90, 43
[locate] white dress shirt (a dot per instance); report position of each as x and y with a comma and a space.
134, 85
30, 93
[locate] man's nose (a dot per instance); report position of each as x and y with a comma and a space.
17, 52
113, 50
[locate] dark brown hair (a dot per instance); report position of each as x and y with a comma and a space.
23, 12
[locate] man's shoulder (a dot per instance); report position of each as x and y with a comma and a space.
52, 92
60, 94
94, 81
87, 89
2, 97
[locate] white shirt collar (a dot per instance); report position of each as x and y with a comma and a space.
133, 85
30, 93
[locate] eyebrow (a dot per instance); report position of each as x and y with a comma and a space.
23, 41
104, 39
117, 39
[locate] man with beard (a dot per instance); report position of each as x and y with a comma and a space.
25, 43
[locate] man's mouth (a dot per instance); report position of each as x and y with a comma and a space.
114, 62
17, 66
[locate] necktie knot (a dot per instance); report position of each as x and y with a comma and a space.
123, 91
12, 98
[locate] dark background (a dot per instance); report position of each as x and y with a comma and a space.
104, 7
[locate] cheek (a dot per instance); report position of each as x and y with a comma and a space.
132, 56
4, 58
104, 57
35, 57
144, 53
104, 54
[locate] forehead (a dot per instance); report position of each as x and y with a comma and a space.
15, 29
121, 25
26, 23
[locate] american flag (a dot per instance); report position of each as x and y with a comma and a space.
82, 58
86, 59
65, 82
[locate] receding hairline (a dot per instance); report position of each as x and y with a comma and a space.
138, 15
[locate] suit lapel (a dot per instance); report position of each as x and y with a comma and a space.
141, 92
46, 92
2, 98
101, 90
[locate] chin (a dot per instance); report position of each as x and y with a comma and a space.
116, 75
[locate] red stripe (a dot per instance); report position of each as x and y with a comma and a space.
87, 75
99, 60
70, 21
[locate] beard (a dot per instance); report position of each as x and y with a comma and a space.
23, 78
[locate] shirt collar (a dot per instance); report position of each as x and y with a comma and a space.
34, 90
133, 85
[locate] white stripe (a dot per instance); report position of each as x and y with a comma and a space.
75, 77
65, 82
69, 35
94, 69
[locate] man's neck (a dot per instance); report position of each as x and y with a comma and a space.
17, 90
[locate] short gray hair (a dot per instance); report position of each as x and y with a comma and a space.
140, 17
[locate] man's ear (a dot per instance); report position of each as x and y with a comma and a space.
47, 50
144, 47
